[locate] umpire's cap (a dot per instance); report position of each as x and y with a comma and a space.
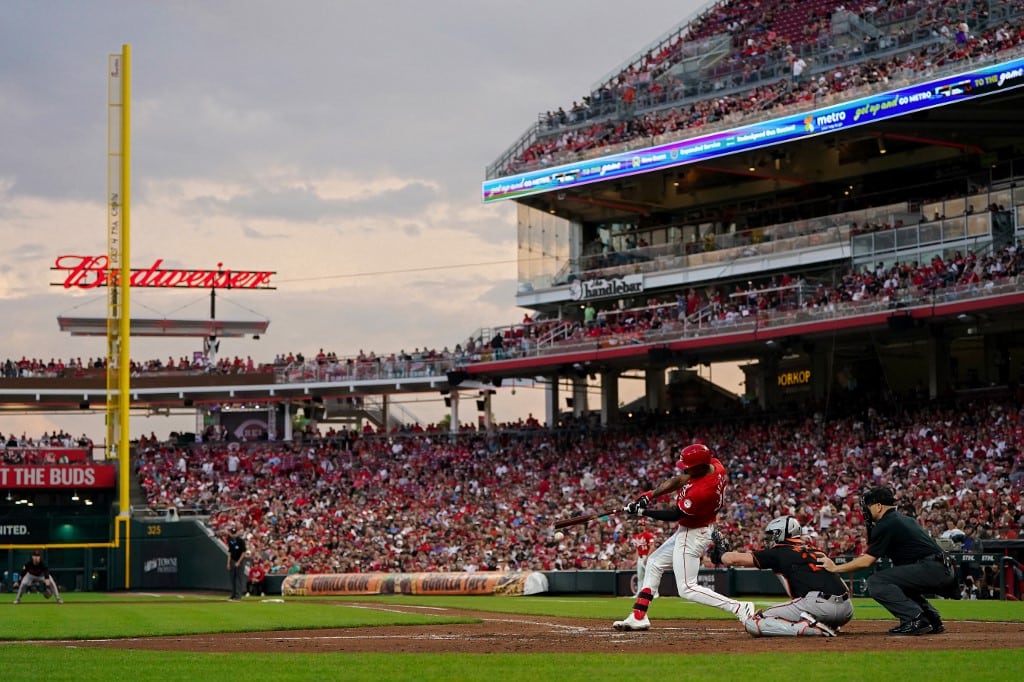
879, 496
37, 553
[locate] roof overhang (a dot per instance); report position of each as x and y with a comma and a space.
97, 326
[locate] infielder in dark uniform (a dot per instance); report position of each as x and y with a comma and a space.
821, 603
919, 565
35, 572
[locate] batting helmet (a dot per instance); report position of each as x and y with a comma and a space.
694, 456
781, 528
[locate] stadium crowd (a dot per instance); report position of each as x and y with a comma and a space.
427, 502
646, 106
901, 283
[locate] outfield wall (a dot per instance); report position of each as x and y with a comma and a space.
184, 555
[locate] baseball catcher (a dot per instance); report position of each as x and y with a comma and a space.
36, 574
820, 603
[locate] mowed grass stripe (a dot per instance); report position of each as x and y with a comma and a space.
59, 664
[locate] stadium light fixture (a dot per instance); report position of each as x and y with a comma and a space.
74, 496
881, 145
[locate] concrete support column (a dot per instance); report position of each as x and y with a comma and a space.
580, 404
940, 371
385, 416
821, 375
453, 427
654, 385
488, 417
609, 398
551, 394
997, 360
768, 380
271, 422
287, 422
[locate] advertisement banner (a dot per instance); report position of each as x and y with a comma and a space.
159, 564
24, 531
44, 476
496, 582
251, 426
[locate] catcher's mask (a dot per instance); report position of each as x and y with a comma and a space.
780, 529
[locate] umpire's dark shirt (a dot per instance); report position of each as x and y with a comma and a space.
900, 538
236, 548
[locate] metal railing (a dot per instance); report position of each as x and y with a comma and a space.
704, 326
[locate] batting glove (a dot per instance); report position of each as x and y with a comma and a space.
635, 508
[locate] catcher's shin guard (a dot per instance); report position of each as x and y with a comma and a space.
780, 627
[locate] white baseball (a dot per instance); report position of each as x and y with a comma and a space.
559, 536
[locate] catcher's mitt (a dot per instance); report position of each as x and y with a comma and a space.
719, 546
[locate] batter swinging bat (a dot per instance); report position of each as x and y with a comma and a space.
583, 518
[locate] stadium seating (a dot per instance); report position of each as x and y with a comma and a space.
419, 502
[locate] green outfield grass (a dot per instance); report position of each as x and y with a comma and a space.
92, 616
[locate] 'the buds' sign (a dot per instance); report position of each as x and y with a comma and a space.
58, 476
90, 272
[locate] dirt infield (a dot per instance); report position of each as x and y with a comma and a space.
504, 633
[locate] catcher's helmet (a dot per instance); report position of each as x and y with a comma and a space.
781, 528
693, 456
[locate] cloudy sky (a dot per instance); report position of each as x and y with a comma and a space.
340, 144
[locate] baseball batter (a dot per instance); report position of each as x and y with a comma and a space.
700, 491
820, 602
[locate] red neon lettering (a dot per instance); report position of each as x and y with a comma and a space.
90, 272
142, 278
84, 272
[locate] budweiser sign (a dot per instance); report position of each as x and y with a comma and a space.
91, 272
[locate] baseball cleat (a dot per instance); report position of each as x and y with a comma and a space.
745, 610
918, 626
631, 623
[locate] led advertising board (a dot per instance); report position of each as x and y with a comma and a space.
962, 87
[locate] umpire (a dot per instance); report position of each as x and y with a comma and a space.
919, 565
236, 563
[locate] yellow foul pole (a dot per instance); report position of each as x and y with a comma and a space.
119, 285
124, 284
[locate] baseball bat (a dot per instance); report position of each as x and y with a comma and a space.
583, 518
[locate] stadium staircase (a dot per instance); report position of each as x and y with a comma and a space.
352, 415
139, 505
